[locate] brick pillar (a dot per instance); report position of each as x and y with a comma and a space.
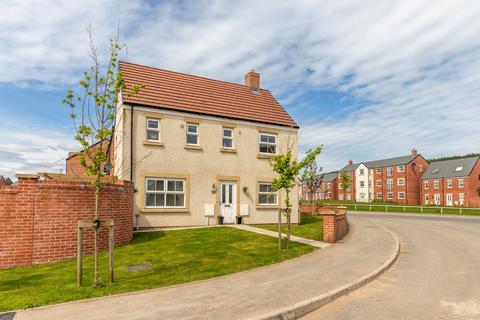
329, 226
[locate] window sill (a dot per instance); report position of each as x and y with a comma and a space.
265, 155
164, 210
267, 207
227, 150
153, 143
193, 147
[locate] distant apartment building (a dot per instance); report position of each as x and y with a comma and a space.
327, 190
392, 180
452, 183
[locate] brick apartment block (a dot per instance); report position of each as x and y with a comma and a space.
327, 190
394, 179
452, 183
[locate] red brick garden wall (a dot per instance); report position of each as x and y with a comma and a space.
335, 225
38, 218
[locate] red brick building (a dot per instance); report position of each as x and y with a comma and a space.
327, 190
452, 183
73, 166
387, 180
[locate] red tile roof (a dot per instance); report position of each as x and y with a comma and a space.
183, 92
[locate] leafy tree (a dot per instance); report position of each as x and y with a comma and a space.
93, 112
345, 182
288, 169
312, 178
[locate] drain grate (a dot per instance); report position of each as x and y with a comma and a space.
139, 267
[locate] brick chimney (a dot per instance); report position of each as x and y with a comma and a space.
350, 162
252, 80
414, 152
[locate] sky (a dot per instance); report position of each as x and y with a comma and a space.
367, 79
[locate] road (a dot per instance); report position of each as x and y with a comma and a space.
437, 275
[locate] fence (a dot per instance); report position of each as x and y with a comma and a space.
400, 208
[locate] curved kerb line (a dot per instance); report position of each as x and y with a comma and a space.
302, 308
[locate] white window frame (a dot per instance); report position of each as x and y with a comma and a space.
402, 180
166, 192
427, 199
449, 183
267, 193
378, 170
362, 184
461, 198
389, 171
401, 168
389, 184
378, 183
231, 138
340, 197
379, 196
340, 186
260, 143
153, 129
349, 196
436, 184
390, 196
426, 185
401, 195
361, 171
461, 183
329, 185
196, 134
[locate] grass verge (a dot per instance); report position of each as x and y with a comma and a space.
310, 227
176, 257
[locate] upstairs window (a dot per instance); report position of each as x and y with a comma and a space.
390, 184
401, 168
461, 183
192, 133
401, 181
379, 183
227, 141
362, 172
378, 170
362, 183
425, 184
268, 143
153, 130
389, 171
436, 184
449, 183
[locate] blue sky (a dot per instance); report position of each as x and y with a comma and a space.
367, 79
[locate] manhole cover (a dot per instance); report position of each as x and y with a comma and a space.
138, 267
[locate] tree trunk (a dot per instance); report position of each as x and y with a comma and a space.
287, 202
279, 229
312, 201
97, 201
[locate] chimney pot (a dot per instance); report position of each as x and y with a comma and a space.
414, 152
350, 162
252, 80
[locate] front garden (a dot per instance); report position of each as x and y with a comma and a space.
310, 227
175, 257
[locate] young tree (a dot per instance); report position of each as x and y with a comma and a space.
345, 182
93, 112
312, 178
288, 169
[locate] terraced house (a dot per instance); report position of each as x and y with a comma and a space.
197, 148
394, 179
452, 183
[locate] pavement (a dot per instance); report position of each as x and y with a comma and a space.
436, 275
261, 293
314, 243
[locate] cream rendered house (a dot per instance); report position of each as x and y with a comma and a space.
362, 183
200, 148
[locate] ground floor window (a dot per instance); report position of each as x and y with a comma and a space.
340, 197
390, 196
164, 193
349, 197
427, 199
379, 196
266, 194
401, 195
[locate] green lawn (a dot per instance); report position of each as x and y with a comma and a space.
310, 227
176, 257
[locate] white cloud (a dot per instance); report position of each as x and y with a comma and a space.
419, 61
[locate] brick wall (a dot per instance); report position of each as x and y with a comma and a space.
38, 218
335, 224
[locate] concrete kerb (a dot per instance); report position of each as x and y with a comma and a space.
302, 308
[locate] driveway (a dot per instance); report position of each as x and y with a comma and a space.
437, 275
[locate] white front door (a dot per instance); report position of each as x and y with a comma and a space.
228, 195
436, 199
449, 199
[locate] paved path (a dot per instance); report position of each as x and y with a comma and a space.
314, 243
245, 295
437, 275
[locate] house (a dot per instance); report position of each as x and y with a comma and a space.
348, 193
73, 166
196, 148
327, 190
452, 183
394, 179
5, 181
